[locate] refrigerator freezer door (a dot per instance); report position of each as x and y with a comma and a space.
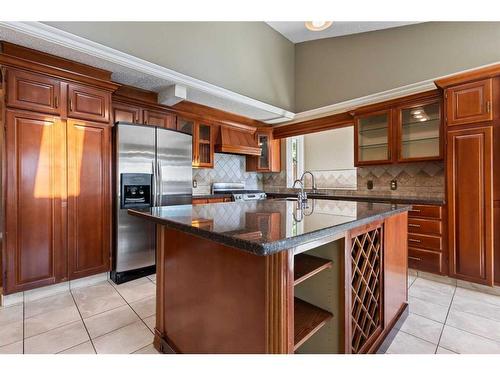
135, 238
174, 167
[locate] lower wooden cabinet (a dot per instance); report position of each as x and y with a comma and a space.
496, 221
89, 198
35, 234
58, 211
470, 204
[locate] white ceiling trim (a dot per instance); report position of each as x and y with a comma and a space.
348, 105
68, 40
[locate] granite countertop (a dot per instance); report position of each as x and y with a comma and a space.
357, 196
268, 226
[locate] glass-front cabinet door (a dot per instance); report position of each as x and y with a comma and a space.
373, 138
204, 145
263, 160
185, 125
419, 132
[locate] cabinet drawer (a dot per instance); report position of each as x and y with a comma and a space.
88, 103
426, 242
425, 260
425, 211
33, 92
425, 226
199, 201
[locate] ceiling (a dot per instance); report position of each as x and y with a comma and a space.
296, 32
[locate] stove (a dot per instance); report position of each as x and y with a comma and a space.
238, 191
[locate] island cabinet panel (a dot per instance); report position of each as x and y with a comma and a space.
89, 197
395, 267
34, 92
88, 103
470, 204
216, 299
35, 201
469, 103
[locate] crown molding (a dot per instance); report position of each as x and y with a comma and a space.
74, 42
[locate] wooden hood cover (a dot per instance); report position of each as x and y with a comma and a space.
233, 141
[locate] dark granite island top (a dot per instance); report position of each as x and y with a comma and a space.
268, 226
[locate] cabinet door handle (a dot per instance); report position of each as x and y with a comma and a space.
488, 106
414, 240
56, 102
414, 258
71, 105
414, 225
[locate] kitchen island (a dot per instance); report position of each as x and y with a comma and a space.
274, 276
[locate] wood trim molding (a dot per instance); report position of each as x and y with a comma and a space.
487, 71
40, 62
74, 42
279, 303
339, 120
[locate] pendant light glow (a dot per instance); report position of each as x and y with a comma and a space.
318, 25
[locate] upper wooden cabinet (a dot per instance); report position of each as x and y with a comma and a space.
35, 232
469, 103
404, 131
203, 145
419, 131
34, 92
470, 203
270, 157
127, 113
89, 198
373, 138
88, 103
157, 118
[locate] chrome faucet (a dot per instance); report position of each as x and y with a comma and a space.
301, 195
313, 180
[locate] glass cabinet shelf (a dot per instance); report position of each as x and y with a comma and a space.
373, 137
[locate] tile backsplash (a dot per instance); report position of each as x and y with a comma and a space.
227, 168
333, 179
425, 178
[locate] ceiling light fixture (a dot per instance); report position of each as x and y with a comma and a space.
318, 25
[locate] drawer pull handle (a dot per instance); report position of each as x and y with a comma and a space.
414, 240
415, 211
414, 258
414, 225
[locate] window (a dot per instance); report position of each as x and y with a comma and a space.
294, 159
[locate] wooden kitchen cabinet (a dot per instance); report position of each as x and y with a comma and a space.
88, 103
470, 204
203, 145
373, 142
158, 118
33, 92
419, 131
89, 198
35, 232
469, 103
127, 113
270, 158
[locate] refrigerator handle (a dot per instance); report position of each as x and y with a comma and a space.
153, 182
159, 182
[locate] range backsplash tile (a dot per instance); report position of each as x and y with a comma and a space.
227, 168
332, 179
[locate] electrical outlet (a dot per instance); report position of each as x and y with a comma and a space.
394, 184
195, 184
369, 184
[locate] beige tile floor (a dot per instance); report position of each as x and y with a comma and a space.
106, 318
446, 319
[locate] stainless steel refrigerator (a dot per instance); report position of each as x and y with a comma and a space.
152, 167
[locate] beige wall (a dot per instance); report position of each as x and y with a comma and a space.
249, 58
329, 150
332, 70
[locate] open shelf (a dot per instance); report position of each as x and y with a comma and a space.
306, 266
308, 319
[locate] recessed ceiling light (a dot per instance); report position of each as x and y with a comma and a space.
318, 25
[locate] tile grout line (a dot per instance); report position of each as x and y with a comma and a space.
446, 318
83, 322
